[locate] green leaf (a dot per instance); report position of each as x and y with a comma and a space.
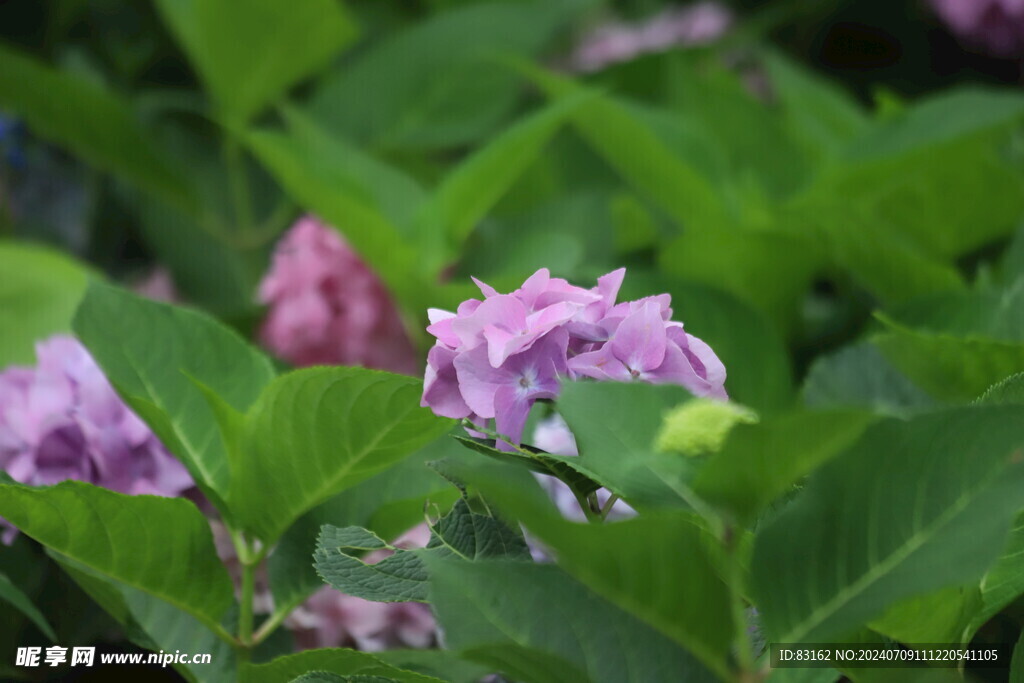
1017, 663
815, 108
153, 353
760, 462
162, 546
419, 109
1004, 582
81, 115
657, 567
913, 507
438, 663
636, 151
473, 187
615, 425
536, 461
938, 617
319, 431
387, 504
859, 376
13, 596
1009, 392
402, 576
314, 168
537, 623
947, 366
38, 295
939, 119
249, 58
335, 660
154, 624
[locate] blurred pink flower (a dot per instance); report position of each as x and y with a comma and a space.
996, 26
616, 41
158, 285
63, 420
333, 619
326, 307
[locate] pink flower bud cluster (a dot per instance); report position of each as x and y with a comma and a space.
63, 420
494, 358
326, 307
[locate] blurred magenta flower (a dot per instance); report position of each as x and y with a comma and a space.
326, 307
63, 420
996, 26
333, 619
495, 358
616, 41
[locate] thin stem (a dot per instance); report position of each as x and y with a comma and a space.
275, 620
609, 504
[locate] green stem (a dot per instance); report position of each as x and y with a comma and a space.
744, 647
246, 608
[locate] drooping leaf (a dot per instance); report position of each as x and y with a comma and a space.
939, 496
39, 292
161, 546
319, 431
249, 58
153, 353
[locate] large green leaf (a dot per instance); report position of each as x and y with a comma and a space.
157, 356
335, 660
444, 86
39, 292
658, 567
319, 431
249, 56
546, 617
79, 114
760, 462
161, 546
16, 598
913, 507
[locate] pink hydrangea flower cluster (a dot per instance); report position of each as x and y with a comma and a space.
63, 420
326, 307
332, 619
495, 357
616, 41
994, 25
